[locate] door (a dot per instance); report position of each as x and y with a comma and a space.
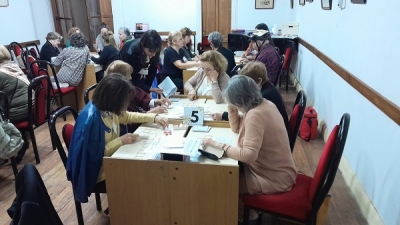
93, 16
63, 19
216, 16
106, 14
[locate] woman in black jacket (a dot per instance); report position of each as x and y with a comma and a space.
109, 54
143, 55
50, 48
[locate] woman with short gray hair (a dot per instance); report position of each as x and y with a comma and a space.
124, 35
50, 48
263, 145
215, 38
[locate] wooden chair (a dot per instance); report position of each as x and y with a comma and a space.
5, 115
297, 115
67, 132
303, 201
38, 110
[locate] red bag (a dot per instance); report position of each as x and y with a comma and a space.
309, 124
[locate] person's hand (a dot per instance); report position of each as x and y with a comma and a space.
232, 108
192, 95
158, 110
156, 90
162, 121
195, 58
213, 75
216, 116
165, 101
208, 142
128, 138
244, 60
244, 55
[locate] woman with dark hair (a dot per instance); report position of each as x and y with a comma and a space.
143, 55
73, 60
97, 133
263, 144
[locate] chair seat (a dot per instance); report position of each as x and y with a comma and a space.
295, 203
65, 90
22, 125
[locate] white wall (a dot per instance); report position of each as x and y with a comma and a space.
25, 20
161, 15
361, 38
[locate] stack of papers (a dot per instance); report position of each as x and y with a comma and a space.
205, 129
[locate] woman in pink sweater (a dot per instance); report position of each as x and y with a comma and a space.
263, 146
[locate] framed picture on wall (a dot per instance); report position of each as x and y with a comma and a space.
302, 2
265, 4
3, 3
359, 1
326, 4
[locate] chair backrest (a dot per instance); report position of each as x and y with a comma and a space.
204, 41
328, 164
288, 55
5, 105
282, 59
236, 69
65, 132
16, 48
40, 86
296, 117
87, 93
33, 49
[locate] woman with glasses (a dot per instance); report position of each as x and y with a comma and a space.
50, 48
211, 79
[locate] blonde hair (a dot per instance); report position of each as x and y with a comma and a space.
173, 36
73, 30
216, 59
108, 38
256, 71
4, 54
119, 66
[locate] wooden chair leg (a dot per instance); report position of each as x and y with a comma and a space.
246, 215
35, 150
79, 214
14, 166
98, 201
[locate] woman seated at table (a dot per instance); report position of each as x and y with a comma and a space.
50, 48
173, 61
100, 42
215, 39
263, 146
185, 50
109, 54
124, 36
73, 61
141, 101
211, 79
72, 31
96, 133
258, 72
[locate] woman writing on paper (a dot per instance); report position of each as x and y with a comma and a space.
174, 62
211, 79
263, 146
97, 133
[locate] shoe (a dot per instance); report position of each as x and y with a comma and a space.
4, 162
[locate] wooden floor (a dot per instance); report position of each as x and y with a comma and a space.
343, 208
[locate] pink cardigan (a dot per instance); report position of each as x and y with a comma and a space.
263, 147
195, 81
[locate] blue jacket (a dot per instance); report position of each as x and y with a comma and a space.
86, 152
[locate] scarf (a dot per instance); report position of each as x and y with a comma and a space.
12, 69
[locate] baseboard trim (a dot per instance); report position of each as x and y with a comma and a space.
364, 202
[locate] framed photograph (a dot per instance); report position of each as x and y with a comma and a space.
302, 2
3, 3
326, 4
265, 4
359, 1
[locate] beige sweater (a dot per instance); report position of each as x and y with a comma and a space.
263, 147
195, 81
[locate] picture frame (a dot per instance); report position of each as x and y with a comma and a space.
359, 1
3, 3
326, 4
264, 4
302, 2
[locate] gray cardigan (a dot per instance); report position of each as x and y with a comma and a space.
195, 81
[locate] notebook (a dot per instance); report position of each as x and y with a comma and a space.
168, 87
217, 151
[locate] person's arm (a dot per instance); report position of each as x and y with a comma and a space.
235, 120
102, 57
47, 52
112, 146
142, 98
218, 86
117, 41
99, 42
133, 117
186, 65
60, 58
192, 82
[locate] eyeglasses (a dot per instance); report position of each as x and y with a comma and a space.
207, 70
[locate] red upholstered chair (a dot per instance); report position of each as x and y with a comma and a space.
286, 63
38, 110
33, 49
302, 202
4, 103
16, 48
201, 46
296, 117
67, 132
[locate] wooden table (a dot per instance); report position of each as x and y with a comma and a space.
88, 79
154, 192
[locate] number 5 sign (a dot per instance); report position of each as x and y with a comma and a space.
193, 115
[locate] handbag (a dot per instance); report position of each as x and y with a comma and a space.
10, 139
